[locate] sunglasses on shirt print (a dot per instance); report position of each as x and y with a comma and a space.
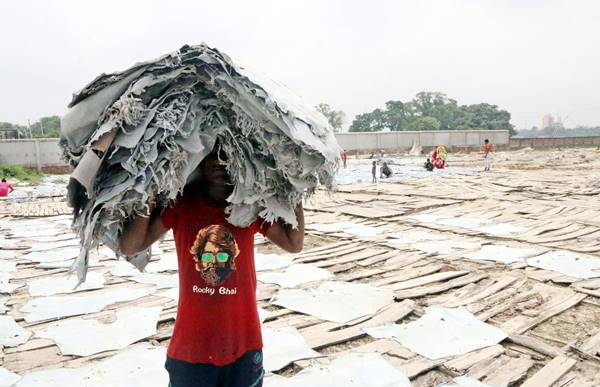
210, 257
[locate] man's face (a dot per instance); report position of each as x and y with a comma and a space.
213, 170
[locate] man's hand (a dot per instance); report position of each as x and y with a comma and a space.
141, 231
284, 236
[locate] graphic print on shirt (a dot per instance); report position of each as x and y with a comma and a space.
214, 252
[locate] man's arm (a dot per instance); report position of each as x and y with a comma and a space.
140, 232
10, 187
284, 236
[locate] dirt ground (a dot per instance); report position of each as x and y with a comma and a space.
548, 198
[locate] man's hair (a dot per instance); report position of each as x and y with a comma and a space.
4, 180
486, 140
218, 235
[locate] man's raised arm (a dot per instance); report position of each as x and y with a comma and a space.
284, 236
140, 232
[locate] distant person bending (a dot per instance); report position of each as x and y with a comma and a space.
428, 165
434, 156
487, 155
5, 188
435, 160
439, 157
442, 155
385, 171
374, 172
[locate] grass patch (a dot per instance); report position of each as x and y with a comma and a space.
19, 172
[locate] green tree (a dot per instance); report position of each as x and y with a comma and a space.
432, 111
395, 115
369, 122
9, 130
424, 123
486, 116
335, 117
436, 105
48, 127
426, 103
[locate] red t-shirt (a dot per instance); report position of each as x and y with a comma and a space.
217, 318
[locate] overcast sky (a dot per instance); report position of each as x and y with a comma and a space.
527, 56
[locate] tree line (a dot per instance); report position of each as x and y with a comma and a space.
46, 127
427, 111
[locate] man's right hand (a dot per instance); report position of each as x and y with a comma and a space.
141, 231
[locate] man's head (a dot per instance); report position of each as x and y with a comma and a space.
214, 180
213, 168
374, 162
4, 180
486, 141
214, 252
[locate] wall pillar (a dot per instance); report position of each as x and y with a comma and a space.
38, 162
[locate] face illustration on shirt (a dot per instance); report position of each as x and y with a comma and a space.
214, 252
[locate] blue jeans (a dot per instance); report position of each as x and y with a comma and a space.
247, 371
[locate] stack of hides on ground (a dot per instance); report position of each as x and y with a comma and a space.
138, 135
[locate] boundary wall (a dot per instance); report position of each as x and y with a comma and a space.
554, 142
369, 141
42, 154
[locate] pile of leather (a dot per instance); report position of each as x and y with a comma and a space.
137, 136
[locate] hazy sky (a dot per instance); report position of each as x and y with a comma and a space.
528, 56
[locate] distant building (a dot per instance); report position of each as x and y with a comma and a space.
547, 121
558, 121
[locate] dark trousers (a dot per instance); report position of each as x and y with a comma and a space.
247, 371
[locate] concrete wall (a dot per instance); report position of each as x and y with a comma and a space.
553, 142
45, 154
34, 153
364, 141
